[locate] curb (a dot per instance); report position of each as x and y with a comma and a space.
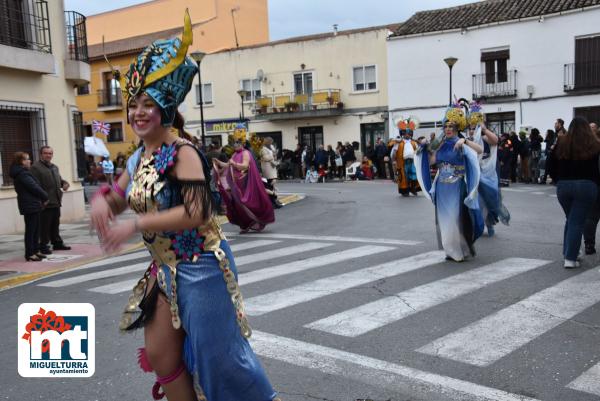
22, 278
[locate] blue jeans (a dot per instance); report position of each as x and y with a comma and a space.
576, 197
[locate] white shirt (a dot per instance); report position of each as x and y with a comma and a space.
409, 152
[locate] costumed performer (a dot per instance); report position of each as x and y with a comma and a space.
454, 189
188, 301
403, 153
242, 191
490, 196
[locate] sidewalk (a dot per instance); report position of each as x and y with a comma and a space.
15, 270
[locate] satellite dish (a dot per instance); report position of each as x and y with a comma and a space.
260, 75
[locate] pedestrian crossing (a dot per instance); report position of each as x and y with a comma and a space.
315, 271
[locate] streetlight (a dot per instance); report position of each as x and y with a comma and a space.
243, 93
197, 56
450, 61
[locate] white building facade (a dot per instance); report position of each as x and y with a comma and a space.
43, 56
314, 90
527, 69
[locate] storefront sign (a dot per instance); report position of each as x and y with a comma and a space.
222, 125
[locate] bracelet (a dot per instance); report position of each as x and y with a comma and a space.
102, 191
118, 190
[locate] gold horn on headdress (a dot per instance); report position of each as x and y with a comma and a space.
186, 41
115, 73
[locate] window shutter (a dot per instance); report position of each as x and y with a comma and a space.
370, 77
496, 55
490, 72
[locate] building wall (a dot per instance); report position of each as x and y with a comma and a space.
251, 20
419, 84
331, 60
56, 96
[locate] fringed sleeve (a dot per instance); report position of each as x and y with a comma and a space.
197, 198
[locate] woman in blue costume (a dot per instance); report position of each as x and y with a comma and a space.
188, 301
490, 196
454, 189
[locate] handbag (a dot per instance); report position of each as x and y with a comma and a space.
338, 161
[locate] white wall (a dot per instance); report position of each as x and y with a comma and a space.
419, 78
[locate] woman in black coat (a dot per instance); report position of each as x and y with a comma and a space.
31, 199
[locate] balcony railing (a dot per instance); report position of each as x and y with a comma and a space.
110, 98
25, 25
487, 86
76, 36
322, 101
582, 76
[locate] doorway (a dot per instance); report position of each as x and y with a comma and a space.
501, 123
311, 136
369, 134
277, 140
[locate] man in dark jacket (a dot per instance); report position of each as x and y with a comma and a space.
49, 178
321, 157
380, 154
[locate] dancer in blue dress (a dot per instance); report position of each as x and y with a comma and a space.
188, 301
454, 189
490, 196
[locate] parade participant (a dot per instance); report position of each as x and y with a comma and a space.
248, 205
403, 154
188, 300
505, 156
454, 190
490, 197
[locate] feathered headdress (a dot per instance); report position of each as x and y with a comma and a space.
161, 71
457, 114
475, 113
407, 124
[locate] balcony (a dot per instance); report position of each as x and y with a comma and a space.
25, 37
497, 85
582, 76
285, 106
110, 99
77, 68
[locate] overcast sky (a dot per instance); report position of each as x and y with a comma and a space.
289, 18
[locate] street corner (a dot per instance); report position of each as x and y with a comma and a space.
17, 271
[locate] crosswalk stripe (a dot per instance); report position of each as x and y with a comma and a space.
310, 263
374, 372
281, 252
252, 244
116, 259
588, 382
97, 275
382, 241
371, 316
270, 272
493, 337
331, 285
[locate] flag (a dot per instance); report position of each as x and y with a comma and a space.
99, 126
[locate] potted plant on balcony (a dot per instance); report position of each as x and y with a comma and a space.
330, 100
291, 106
340, 105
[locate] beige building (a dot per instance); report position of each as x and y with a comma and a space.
313, 90
43, 55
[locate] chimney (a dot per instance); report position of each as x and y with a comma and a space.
335, 29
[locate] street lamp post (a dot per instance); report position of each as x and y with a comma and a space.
450, 61
243, 93
197, 56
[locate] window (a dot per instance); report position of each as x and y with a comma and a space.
21, 130
206, 94
116, 132
303, 83
364, 78
83, 89
252, 87
496, 66
587, 62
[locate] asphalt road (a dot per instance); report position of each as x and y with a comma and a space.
349, 299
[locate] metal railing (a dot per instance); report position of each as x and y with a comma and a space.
110, 97
495, 85
25, 25
290, 102
76, 36
582, 76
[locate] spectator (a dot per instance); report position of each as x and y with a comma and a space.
322, 173
215, 151
591, 220
365, 172
348, 156
321, 157
524, 153
120, 165
285, 168
380, 155
312, 175
535, 143
550, 140
339, 160
370, 153
574, 168
332, 165
31, 198
268, 164
297, 162
90, 167
505, 157
559, 127
108, 169
516, 151
49, 178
